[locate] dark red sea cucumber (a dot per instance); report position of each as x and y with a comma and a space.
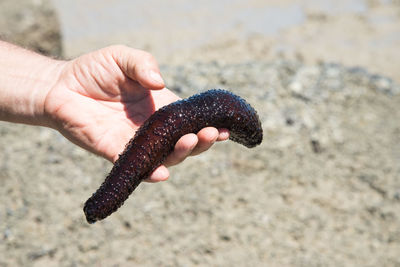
156, 139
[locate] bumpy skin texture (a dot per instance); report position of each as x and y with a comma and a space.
157, 137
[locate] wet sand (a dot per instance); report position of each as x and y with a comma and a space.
354, 33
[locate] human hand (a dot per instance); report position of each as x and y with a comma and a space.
102, 98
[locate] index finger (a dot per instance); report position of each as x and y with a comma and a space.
138, 65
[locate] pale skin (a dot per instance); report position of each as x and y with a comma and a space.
97, 101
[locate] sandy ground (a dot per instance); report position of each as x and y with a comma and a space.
322, 190
31, 24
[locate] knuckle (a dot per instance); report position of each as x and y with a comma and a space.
146, 56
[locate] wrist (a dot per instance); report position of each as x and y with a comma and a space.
47, 79
25, 80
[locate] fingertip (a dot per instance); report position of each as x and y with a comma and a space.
223, 134
208, 134
113, 159
160, 174
138, 65
150, 79
187, 142
154, 80
183, 148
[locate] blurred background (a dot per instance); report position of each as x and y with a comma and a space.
322, 190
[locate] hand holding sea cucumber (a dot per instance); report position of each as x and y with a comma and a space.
100, 100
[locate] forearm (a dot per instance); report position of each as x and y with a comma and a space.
25, 79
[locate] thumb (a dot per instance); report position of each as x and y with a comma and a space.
138, 65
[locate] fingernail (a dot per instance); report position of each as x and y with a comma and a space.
156, 77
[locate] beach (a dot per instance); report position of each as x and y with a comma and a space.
323, 189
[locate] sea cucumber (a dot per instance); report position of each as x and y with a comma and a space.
156, 139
